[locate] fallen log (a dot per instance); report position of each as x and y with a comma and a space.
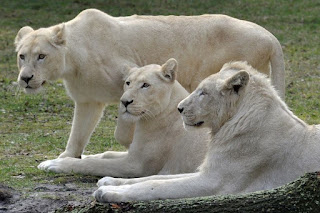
301, 195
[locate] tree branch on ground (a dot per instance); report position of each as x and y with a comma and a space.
301, 195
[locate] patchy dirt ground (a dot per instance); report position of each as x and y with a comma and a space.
47, 197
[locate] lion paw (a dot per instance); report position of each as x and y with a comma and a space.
51, 165
109, 181
111, 194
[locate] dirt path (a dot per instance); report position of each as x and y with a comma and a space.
45, 197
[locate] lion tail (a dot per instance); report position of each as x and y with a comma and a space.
278, 69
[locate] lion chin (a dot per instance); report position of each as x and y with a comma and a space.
33, 89
192, 127
30, 90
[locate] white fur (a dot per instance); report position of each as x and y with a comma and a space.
91, 52
257, 143
160, 143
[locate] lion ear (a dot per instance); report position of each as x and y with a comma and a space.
169, 69
59, 35
125, 71
237, 82
22, 32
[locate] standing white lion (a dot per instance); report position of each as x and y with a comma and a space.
257, 143
91, 51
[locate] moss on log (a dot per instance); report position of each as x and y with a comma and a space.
302, 195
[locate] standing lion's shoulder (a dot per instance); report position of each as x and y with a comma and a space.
91, 20
91, 13
91, 16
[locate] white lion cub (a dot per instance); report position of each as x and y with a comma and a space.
160, 143
257, 143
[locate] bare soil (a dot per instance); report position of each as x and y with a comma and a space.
47, 197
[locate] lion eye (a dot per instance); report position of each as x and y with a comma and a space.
128, 83
41, 56
202, 93
21, 57
145, 85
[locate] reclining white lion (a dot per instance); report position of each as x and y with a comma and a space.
257, 142
160, 143
90, 52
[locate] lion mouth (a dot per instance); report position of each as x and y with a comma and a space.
196, 124
199, 123
132, 117
29, 87
134, 114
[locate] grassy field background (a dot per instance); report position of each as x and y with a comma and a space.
36, 127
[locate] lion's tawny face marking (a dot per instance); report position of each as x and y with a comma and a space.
147, 91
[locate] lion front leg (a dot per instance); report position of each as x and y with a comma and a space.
189, 186
116, 167
107, 155
86, 117
111, 181
124, 131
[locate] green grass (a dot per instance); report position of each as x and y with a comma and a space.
36, 127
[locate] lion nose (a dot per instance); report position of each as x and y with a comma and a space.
126, 103
180, 110
26, 78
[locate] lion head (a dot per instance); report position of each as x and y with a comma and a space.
147, 90
214, 100
40, 56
